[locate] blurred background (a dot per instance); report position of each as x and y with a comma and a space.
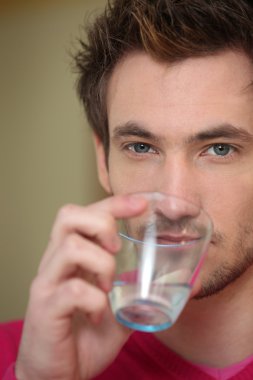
46, 150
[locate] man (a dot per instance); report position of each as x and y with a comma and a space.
167, 87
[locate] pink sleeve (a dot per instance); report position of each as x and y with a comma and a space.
10, 334
10, 373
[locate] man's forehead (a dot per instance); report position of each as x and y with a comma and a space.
229, 65
190, 104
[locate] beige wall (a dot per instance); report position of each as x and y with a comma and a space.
46, 152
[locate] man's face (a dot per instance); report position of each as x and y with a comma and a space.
187, 129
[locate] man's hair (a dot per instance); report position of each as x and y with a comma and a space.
167, 30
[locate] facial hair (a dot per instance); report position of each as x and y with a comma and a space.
228, 272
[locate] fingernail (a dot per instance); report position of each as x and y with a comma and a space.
106, 286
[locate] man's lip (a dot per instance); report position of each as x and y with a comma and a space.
175, 239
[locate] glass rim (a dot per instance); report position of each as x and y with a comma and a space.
159, 245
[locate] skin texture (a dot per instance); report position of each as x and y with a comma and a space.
69, 325
178, 113
176, 104
184, 129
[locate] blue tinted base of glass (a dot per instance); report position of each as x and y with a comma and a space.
144, 328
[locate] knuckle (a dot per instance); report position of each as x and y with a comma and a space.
108, 222
75, 288
106, 225
73, 243
65, 211
103, 219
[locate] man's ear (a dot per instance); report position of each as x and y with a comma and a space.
102, 166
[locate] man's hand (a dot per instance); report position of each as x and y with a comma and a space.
69, 331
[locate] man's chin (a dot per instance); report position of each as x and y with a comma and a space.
221, 279
206, 292
213, 288
202, 289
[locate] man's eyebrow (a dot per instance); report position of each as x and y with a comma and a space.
227, 131
133, 129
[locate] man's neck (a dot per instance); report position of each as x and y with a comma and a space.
216, 331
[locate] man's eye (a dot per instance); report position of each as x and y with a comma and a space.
220, 150
140, 148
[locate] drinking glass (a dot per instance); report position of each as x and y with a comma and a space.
162, 252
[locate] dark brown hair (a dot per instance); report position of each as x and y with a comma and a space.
168, 30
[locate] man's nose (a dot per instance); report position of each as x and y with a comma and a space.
179, 178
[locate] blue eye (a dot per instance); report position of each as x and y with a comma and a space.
221, 150
140, 148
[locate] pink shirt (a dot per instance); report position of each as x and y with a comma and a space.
142, 358
227, 372
10, 334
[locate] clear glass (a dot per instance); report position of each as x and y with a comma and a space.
161, 255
